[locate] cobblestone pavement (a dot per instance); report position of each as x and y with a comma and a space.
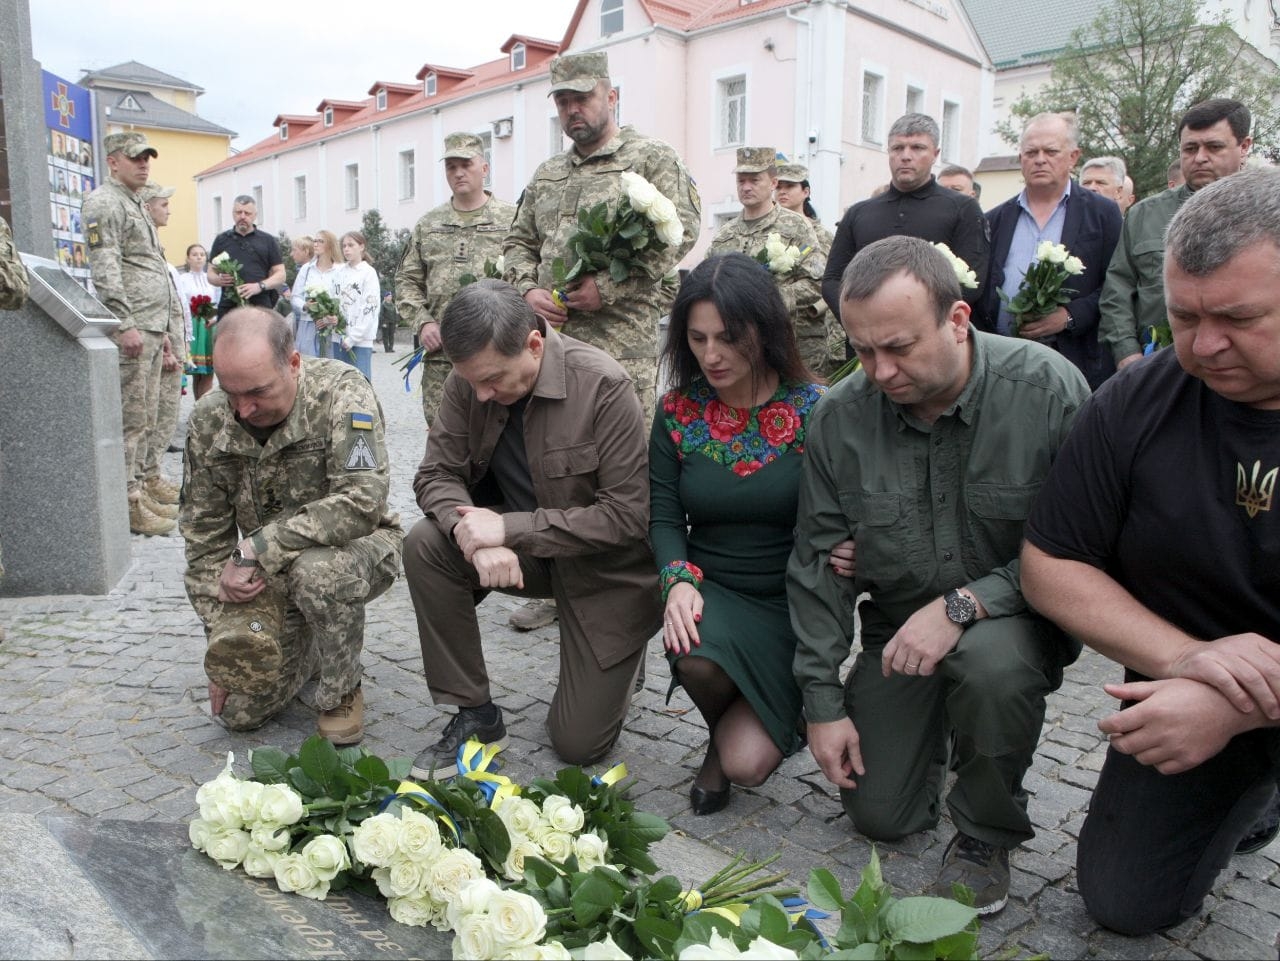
105, 713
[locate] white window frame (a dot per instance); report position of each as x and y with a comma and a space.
720, 106
486, 138
407, 174
217, 210
300, 197
351, 186
913, 104
429, 84
556, 141
871, 127
256, 193
949, 130
328, 116
380, 98
611, 9
518, 57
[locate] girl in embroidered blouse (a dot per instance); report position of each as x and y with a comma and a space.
724, 464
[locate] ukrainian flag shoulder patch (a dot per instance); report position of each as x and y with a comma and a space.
362, 421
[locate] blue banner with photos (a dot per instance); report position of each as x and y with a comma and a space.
68, 118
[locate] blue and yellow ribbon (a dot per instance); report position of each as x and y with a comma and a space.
478, 762
410, 791
610, 777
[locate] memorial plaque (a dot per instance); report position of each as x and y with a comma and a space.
181, 904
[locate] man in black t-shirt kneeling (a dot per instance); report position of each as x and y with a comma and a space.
1156, 541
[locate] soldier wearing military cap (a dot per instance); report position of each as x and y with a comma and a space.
132, 280
450, 247
801, 286
287, 530
619, 317
792, 192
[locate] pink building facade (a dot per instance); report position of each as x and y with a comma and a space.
820, 81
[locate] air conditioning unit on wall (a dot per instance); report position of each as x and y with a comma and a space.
502, 128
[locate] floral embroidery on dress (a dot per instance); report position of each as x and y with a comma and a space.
742, 439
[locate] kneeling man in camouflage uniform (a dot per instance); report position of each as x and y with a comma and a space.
284, 511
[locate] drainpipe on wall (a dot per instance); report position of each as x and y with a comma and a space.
808, 94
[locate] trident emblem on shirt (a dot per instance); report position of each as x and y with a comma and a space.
1254, 495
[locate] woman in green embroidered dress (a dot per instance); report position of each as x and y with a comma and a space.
724, 468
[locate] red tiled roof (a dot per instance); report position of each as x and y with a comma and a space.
685, 15
387, 85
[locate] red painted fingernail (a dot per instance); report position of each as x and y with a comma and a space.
697, 618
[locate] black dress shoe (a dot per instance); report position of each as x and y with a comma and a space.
702, 801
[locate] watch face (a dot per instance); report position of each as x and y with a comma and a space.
960, 608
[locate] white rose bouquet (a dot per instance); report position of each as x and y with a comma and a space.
1042, 290
780, 257
224, 264
644, 220
319, 303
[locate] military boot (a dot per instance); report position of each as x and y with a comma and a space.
344, 724
160, 490
244, 654
167, 511
142, 521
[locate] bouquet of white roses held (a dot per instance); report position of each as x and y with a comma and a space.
1041, 291
223, 264
964, 275
645, 220
779, 257
321, 303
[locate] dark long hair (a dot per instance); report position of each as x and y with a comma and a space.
747, 299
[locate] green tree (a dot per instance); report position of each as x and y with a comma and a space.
384, 247
286, 254
1131, 74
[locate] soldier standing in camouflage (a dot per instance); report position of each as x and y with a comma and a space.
619, 318
287, 530
800, 286
450, 244
132, 280
162, 491
13, 294
792, 192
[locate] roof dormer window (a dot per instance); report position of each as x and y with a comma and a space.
284, 131
610, 17
129, 103
382, 99
429, 87
328, 116
517, 57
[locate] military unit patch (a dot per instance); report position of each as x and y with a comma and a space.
92, 236
362, 421
361, 456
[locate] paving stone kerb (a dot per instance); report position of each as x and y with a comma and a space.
105, 715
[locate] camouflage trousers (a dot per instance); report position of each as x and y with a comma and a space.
139, 400
327, 590
644, 377
821, 343
434, 374
168, 402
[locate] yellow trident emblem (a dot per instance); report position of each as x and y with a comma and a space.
1252, 494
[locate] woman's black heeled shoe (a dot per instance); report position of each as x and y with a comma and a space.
703, 801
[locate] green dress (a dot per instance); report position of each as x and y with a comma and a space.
724, 483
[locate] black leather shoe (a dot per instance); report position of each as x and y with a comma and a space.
702, 801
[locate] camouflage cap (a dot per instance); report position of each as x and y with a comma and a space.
793, 173
753, 160
579, 72
131, 143
244, 655
151, 190
464, 146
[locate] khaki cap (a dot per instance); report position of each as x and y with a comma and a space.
131, 143
151, 190
753, 160
579, 72
793, 173
463, 146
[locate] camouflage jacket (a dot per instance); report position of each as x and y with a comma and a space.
13, 273
320, 480
547, 216
801, 288
126, 261
446, 245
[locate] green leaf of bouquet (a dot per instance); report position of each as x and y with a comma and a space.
270, 765
629, 230
666, 888
872, 951
492, 834
318, 759
593, 897
922, 920
854, 927
373, 769
658, 936
960, 947
824, 890
539, 872
618, 270
304, 785
398, 769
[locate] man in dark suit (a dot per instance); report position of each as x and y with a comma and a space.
1052, 207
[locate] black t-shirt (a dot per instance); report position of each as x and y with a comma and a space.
932, 213
258, 252
510, 464
1171, 489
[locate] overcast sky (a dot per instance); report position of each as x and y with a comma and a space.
259, 58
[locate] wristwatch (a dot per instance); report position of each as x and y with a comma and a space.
961, 608
262, 286
1071, 322
239, 560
